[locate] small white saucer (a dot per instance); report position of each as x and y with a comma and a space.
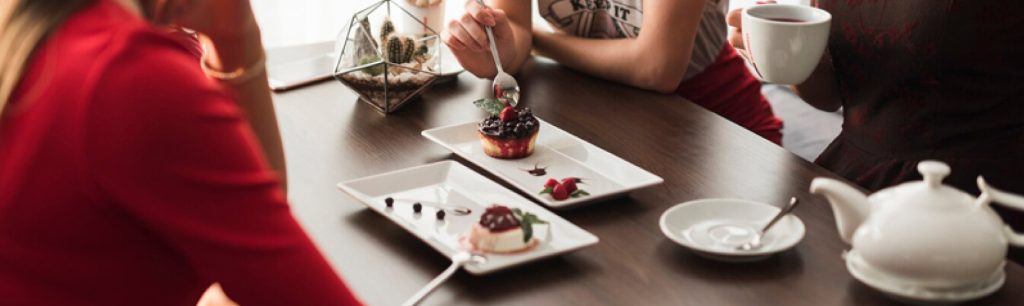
713, 228
918, 295
450, 67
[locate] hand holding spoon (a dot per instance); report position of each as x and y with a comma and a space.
505, 86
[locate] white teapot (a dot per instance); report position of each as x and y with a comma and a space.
924, 234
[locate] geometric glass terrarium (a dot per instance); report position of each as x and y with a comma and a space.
387, 56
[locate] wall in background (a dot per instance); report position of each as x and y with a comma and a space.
294, 22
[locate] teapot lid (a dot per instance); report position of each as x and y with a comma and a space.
933, 172
930, 192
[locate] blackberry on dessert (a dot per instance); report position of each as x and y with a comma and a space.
510, 124
498, 219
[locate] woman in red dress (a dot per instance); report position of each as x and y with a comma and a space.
129, 176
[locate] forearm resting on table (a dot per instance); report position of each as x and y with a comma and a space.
524, 42
623, 60
253, 96
820, 89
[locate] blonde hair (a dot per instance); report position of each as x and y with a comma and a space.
24, 24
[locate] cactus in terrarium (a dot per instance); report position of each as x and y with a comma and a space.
408, 49
393, 47
386, 29
400, 49
393, 52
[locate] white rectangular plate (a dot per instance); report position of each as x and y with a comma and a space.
604, 175
452, 184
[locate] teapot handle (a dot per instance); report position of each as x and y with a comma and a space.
1015, 239
989, 193
1016, 202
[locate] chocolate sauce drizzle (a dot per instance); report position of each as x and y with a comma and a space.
537, 170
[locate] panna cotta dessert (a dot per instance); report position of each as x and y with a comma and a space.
504, 230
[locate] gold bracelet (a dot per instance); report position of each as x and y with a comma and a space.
237, 76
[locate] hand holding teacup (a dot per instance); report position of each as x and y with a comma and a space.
781, 43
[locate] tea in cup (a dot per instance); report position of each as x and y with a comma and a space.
784, 42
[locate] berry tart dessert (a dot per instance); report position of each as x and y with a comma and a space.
504, 230
509, 133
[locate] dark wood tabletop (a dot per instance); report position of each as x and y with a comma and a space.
330, 136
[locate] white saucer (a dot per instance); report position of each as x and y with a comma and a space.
450, 67
713, 228
894, 288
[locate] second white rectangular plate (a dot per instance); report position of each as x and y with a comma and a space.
448, 183
564, 155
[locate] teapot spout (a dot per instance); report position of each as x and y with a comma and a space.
849, 205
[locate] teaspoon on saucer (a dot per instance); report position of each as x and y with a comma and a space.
755, 243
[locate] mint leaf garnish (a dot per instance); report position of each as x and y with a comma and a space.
546, 190
526, 222
527, 231
579, 193
492, 106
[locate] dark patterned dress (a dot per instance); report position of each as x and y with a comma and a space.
929, 79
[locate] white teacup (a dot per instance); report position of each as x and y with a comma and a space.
784, 42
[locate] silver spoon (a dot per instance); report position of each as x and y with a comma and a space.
756, 242
458, 260
505, 86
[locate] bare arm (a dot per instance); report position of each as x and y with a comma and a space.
230, 31
253, 95
512, 22
655, 60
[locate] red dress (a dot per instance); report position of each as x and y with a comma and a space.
129, 178
728, 89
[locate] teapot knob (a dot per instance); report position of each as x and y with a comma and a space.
933, 172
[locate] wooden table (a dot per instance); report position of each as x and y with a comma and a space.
329, 137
